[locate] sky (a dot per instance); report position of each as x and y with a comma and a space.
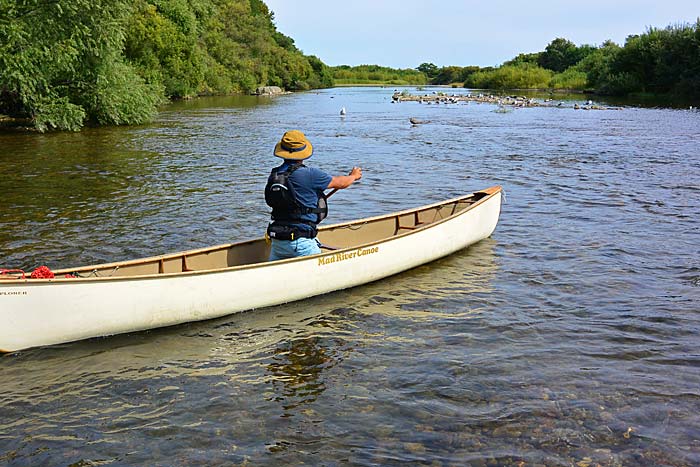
406, 33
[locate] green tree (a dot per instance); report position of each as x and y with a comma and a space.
65, 62
61, 64
599, 65
429, 69
521, 59
559, 55
375, 74
162, 43
448, 75
661, 59
681, 58
322, 72
241, 40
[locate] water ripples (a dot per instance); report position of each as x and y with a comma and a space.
568, 338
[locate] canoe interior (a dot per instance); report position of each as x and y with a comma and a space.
334, 237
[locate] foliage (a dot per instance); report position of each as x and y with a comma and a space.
53, 112
323, 77
660, 61
521, 59
525, 76
162, 42
375, 74
569, 79
428, 69
121, 98
454, 74
561, 53
425, 73
67, 62
217, 46
663, 60
599, 68
55, 58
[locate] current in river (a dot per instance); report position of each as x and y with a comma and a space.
569, 337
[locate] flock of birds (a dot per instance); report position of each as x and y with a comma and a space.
502, 102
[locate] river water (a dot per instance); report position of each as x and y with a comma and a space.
570, 337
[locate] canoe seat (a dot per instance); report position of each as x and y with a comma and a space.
412, 221
183, 265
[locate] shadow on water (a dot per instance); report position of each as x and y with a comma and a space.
236, 102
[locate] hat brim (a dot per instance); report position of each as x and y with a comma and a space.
294, 155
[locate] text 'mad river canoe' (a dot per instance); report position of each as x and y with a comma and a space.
114, 298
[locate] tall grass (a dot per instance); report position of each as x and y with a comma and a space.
524, 76
570, 79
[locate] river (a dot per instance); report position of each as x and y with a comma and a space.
570, 337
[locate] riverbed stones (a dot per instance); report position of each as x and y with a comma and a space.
481, 98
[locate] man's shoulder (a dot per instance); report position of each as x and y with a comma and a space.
312, 171
312, 178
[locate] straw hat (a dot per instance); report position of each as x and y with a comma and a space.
294, 146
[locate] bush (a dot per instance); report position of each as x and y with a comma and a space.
57, 113
122, 97
58, 61
525, 76
375, 74
65, 62
570, 79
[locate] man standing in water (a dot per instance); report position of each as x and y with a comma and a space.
295, 193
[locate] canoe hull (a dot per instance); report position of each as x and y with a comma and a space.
36, 313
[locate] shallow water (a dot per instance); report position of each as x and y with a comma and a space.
570, 337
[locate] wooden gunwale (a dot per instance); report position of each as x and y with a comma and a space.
489, 192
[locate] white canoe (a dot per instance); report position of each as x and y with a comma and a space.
207, 283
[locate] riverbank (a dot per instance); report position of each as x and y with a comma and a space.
18, 124
341, 84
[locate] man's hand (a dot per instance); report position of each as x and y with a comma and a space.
343, 181
356, 172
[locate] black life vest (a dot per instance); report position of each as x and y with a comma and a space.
286, 207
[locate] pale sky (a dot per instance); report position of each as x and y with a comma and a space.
406, 33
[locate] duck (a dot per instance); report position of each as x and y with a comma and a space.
415, 121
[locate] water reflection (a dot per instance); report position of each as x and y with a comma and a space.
297, 371
298, 357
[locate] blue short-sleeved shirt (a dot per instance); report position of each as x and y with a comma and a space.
308, 183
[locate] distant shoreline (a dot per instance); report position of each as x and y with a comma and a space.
24, 124
449, 86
